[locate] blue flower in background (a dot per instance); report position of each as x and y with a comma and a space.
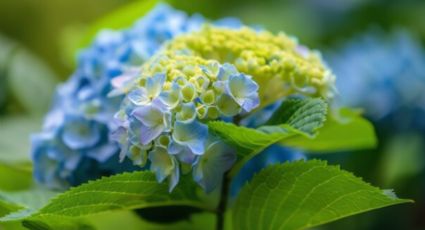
385, 75
74, 145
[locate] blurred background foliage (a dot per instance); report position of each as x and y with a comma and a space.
39, 42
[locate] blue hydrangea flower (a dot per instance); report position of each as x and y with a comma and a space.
166, 110
385, 75
74, 145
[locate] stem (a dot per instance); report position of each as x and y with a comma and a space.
224, 193
222, 205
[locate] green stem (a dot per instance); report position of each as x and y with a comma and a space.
222, 205
224, 193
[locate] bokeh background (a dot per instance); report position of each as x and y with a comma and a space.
375, 47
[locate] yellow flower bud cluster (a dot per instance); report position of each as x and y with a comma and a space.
277, 63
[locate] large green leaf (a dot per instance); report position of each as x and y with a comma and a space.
120, 192
346, 130
296, 117
301, 194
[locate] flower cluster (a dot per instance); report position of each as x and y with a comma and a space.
75, 145
163, 112
279, 65
216, 73
385, 75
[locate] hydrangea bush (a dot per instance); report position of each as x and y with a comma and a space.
190, 102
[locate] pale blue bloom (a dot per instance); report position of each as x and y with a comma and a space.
192, 135
174, 120
172, 97
153, 122
227, 106
244, 91
209, 169
164, 165
79, 133
384, 73
154, 85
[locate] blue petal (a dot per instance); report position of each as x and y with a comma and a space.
187, 113
175, 175
103, 152
171, 98
192, 135
148, 134
209, 169
120, 135
250, 103
139, 96
186, 156
79, 133
244, 91
226, 71
174, 148
154, 85
227, 106
161, 163
149, 115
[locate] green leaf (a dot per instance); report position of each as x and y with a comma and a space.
31, 199
12, 226
15, 177
6, 49
14, 138
7, 207
57, 222
301, 194
113, 221
30, 81
299, 117
305, 115
344, 131
404, 158
15, 163
120, 192
121, 18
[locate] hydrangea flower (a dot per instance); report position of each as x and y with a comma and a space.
165, 110
385, 75
216, 73
74, 145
